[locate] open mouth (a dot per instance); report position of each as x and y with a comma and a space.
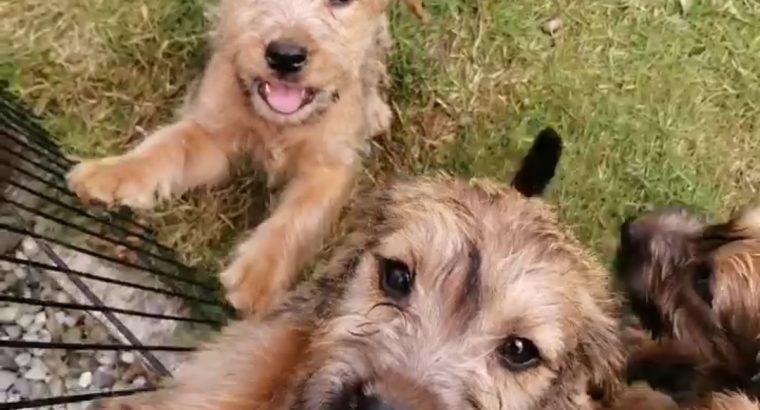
285, 98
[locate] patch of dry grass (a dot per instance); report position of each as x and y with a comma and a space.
657, 104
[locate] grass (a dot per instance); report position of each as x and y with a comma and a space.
658, 101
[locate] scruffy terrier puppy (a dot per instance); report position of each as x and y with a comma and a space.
696, 288
447, 295
297, 84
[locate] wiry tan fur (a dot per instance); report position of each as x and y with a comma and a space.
488, 264
697, 288
314, 152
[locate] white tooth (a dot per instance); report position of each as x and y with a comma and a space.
267, 88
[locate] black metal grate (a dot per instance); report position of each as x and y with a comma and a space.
89, 259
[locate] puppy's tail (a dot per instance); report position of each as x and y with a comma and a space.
540, 164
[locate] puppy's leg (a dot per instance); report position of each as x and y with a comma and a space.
173, 159
250, 367
267, 263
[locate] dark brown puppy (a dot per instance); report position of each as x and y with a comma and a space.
696, 288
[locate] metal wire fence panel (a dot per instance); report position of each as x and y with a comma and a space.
91, 304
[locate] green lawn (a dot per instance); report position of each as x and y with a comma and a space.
658, 101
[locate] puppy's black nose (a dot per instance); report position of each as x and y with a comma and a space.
286, 57
373, 403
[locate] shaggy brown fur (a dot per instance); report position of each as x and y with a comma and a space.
297, 85
447, 295
696, 288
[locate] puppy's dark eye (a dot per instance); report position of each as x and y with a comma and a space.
519, 354
395, 278
339, 3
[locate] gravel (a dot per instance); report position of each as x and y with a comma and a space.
27, 374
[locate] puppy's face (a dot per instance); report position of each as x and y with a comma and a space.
462, 297
697, 282
295, 57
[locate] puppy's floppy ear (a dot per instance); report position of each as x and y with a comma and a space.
418, 9
539, 165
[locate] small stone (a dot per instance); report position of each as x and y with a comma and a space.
56, 387
139, 381
23, 388
127, 357
97, 335
72, 335
120, 385
23, 359
552, 26
71, 384
20, 273
39, 390
31, 309
12, 331
31, 335
53, 326
8, 314
40, 318
25, 321
44, 336
7, 360
85, 380
12, 396
37, 370
87, 363
9, 241
38, 352
102, 379
63, 297
6, 379
106, 358
65, 319
8, 282
55, 364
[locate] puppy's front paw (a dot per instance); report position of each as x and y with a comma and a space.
119, 181
256, 280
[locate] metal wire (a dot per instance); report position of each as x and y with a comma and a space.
104, 279
34, 167
33, 344
51, 401
111, 259
77, 306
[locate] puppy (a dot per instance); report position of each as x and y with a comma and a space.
446, 295
295, 84
696, 288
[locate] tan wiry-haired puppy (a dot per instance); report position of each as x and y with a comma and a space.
696, 287
297, 85
447, 295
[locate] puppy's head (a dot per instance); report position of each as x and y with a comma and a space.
455, 295
696, 282
294, 58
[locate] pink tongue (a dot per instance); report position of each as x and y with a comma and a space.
283, 98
